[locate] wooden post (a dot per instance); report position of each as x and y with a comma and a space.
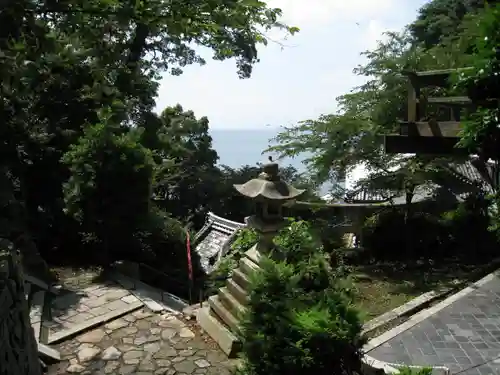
413, 97
45, 318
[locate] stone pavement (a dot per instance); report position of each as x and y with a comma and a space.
142, 343
464, 336
91, 303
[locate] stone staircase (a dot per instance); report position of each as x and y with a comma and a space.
222, 315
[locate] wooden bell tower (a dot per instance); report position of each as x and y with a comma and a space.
433, 122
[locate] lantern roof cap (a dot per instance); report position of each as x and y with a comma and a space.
269, 186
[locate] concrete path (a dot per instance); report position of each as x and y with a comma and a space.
142, 343
463, 336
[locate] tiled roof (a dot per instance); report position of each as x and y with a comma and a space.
365, 195
471, 174
467, 170
214, 239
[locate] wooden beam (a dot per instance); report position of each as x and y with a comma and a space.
39, 283
399, 144
450, 100
439, 78
430, 129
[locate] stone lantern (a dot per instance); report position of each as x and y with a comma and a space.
269, 193
220, 316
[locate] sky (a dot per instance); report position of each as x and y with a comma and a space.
298, 81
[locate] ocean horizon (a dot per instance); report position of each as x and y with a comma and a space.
239, 147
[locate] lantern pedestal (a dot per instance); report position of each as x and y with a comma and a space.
220, 319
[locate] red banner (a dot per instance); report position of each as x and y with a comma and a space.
188, 249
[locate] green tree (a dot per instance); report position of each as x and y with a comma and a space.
63, 62
439, 19
186, 172
109, 188
481, 131
352, 136
60, 64
338, 142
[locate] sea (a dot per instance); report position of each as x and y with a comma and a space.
239, 147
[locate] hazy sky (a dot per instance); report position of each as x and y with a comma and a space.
295, 83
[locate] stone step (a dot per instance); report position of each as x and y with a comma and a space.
87, 325
237, 291
230, 302
217, 307
217, 330
253, 254
247, 266
46, 351
240, 279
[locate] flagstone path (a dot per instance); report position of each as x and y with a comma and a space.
142, 343
92, 302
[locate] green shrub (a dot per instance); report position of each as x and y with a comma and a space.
300, 318
414, 371
434, 236
291, 237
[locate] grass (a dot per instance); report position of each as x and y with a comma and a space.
382, 287
375, 297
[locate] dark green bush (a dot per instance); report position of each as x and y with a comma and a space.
414, 371
387, 236
300, 318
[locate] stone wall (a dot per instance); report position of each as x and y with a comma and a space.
18, 346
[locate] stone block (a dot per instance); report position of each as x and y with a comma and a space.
241, 279
226, 340
230, 302
237, 291
116, 305
223, 313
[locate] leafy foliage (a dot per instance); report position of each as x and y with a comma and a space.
300, 318
441, 18
446, 34
433, 235
414, 371
441, 37
481, 83
109, 187
186, 174
75, 179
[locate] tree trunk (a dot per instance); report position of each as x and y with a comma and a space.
18, 346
